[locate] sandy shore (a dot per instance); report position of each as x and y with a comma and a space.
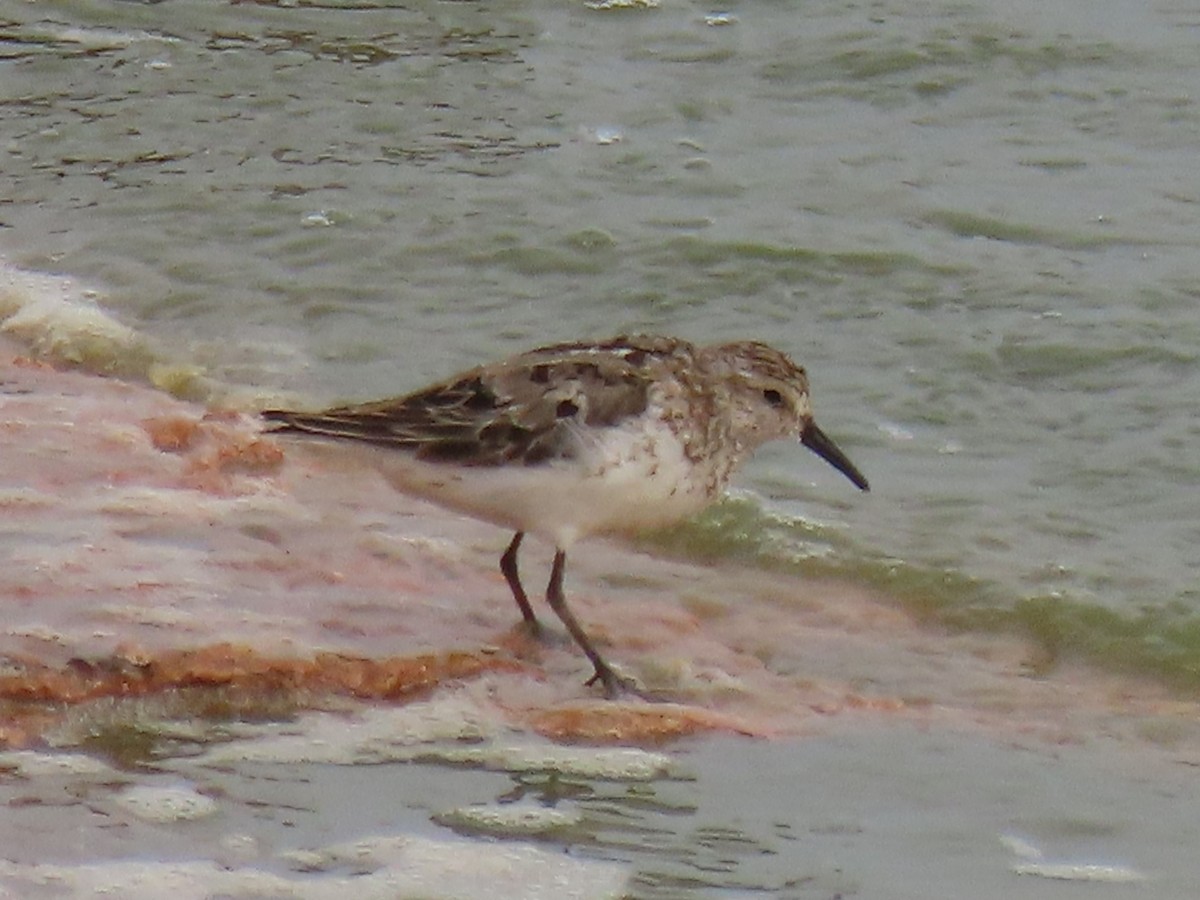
171, 578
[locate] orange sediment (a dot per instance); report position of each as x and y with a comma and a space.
33, 696
630, 724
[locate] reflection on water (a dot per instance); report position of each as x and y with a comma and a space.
890, 811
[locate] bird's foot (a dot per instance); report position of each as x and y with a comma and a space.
616, 684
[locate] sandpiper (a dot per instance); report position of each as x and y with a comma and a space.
577, 439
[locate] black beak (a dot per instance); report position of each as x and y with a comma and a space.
816, 440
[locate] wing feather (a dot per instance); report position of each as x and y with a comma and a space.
526, 410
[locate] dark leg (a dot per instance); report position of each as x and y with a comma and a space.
508, 567
613, 683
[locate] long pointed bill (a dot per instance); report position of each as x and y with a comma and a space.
819, 443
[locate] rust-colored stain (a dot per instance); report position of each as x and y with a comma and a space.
220, 443
172, 434
634, 725
28, 362
26, 694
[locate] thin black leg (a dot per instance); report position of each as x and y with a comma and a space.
613, 683
508, 567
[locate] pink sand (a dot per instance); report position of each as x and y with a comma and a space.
136, 526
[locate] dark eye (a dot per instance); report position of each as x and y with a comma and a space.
773, 397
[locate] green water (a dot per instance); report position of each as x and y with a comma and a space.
1159, 639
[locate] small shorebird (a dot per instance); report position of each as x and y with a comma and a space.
577, 439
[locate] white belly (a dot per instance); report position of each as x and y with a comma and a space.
625, 480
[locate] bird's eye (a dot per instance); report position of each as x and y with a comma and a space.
773, 397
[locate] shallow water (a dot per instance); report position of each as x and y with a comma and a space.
975, 224
861, 812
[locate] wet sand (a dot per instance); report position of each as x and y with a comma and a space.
283, 656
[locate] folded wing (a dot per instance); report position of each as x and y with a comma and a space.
523, 411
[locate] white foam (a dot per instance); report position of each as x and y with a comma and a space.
510, 819
448, 730
375, 735
178, 803
1068, 871
1036, 865
386, 867
613, 763
57, 318
31, 764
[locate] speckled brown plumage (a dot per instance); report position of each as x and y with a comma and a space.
582, 438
